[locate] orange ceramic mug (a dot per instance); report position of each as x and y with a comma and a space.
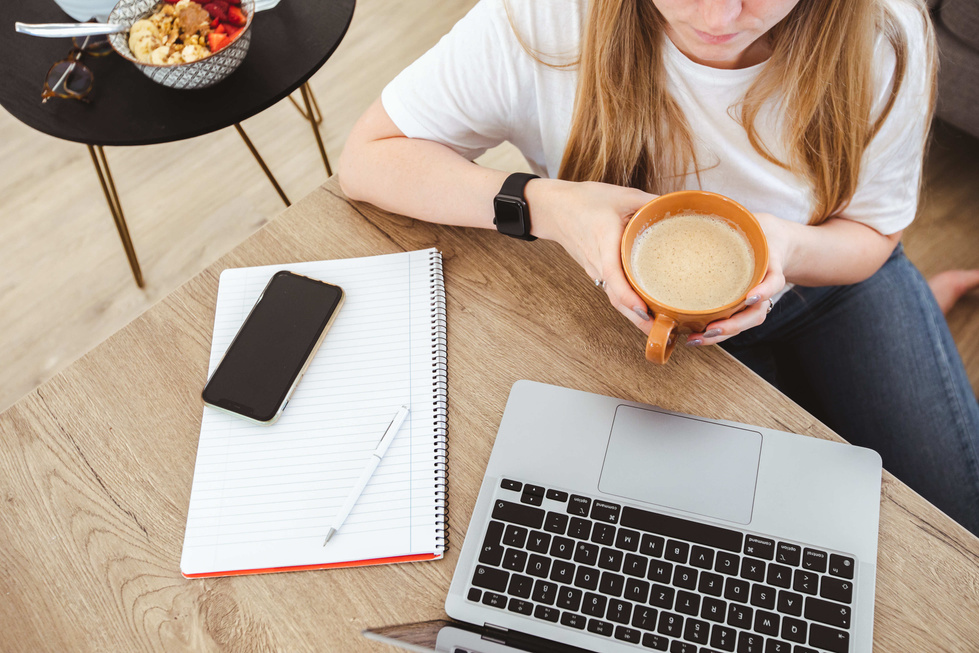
668, 321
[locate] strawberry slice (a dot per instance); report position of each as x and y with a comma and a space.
216, 11
216, 41
235, 17
233, 32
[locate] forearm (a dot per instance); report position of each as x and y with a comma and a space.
837, 252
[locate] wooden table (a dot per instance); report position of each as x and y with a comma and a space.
97, 463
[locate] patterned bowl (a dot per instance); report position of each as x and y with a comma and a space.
197, 74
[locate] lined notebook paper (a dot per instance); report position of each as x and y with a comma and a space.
263, 497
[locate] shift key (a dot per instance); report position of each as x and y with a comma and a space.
490, 579
516, 513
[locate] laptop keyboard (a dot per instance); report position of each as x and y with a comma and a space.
660, 582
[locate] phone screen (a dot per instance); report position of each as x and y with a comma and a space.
273, 346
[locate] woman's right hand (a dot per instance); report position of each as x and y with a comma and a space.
588, 219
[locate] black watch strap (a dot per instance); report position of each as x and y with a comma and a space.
512, 214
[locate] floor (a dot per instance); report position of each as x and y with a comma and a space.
65, 284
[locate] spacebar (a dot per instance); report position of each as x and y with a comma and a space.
683, 529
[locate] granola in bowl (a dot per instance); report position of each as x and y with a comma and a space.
184, 31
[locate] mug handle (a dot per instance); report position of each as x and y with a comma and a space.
662, 339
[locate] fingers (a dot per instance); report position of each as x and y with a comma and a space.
759, 303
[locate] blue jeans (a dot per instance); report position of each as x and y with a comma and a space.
875, 362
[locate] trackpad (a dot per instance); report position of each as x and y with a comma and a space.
683, 463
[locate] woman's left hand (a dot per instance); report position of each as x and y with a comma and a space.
777, 232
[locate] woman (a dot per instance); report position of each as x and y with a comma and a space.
811, 113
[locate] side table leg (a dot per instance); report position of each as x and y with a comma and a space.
265, 168
115, 208
307, 93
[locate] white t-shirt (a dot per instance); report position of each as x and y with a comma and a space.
477, 87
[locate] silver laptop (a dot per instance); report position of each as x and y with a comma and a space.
608, 525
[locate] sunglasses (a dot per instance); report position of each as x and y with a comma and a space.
70, 78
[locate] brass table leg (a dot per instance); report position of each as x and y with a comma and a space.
314, 120
115, 208
265, 168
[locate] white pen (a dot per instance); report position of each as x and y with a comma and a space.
365, 476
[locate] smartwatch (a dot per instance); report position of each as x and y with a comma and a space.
512, 215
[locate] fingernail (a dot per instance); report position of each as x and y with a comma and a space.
641, 313
751, 301
694, 342
710, 333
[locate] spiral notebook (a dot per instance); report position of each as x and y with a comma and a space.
263, 497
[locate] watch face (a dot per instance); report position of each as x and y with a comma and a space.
510, 216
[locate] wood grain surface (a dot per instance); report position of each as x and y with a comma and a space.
98, 462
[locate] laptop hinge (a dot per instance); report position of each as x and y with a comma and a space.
494, 633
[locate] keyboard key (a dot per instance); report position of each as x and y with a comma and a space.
759, 547
628, 634
580, 528
603, 511
722, 637
750, 643
538, 566
841, 566
586, 578
696, 631
683, 529
618, 611
507, 484
649, 640
546, 613
644, 617
611, 584
670, 624
794, 630
836, 589
682, 647
594, 604
531, 499
522, 607
714, 609
474, 594
516, 513
805, 581
832, 614
661, 596
702, 557
627, 539
538, 541
514, 559
790, 603
494, 600
739, 616
752, 569
685, 577
766, 622
587, 554
727, 563
536, 490
779, 576
652, 545
520, 586
636, 590
492, 551
579, 505
687, 603
804, 649
556, 523
778, 646
545, 592
562, 572
573, 620
557, 495
676, 551
490, 579
569, 598
610, 559
830, 639
603, 534
710, 583
600, 627
515, 536
635, 565
762, 597
661, 571
562, 547
814, 560
736, 590
788, 554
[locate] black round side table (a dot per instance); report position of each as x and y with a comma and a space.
289, 43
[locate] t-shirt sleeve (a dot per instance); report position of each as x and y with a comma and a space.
460, 93
886, 198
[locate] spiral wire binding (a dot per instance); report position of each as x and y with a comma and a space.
440, 394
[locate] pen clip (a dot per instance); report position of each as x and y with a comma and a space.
385, 434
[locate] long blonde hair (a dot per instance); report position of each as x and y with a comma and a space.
628, 130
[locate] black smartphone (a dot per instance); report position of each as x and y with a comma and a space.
273, 347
